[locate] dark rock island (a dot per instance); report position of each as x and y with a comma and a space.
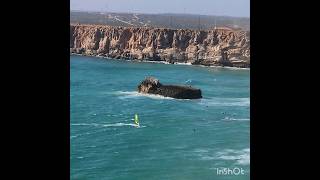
152, 85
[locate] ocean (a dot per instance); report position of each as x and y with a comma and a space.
177, 139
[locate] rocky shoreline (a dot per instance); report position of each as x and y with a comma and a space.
207, 47
165, 62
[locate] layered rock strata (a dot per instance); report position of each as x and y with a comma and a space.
222, 47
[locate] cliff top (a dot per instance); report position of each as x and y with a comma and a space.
218, 29
172, 21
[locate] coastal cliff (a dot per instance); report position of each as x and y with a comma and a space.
222, 47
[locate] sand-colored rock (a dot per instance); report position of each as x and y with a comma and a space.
208, 47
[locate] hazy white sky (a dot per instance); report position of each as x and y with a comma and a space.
206, 7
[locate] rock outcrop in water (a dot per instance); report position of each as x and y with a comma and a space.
207, 47
152, 86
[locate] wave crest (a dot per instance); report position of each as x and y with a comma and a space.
226, 102
227, 118
241, 157
106, 125
135, 94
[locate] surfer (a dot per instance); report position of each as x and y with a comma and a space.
136, 120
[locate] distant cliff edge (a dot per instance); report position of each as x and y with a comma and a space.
223, 47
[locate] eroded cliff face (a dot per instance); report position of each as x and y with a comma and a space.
212, 47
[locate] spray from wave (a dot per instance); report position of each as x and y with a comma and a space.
225, 102
241, 157
189, 81
106, 125
134, 94
227, 118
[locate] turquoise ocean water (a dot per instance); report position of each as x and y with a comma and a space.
178, 139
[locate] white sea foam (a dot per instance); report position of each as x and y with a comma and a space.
207, 158
160, 62
241, 157
226, 102
201, 151
146, 61
119, 124
235, 119
134, 94
165, 62
85, 124
230, 68
71, 137
106, 125
188, 64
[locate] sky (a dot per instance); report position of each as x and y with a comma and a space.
238, 8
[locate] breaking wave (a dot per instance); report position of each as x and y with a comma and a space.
235, 119
241, 157
134, 94
106, 125
226, 102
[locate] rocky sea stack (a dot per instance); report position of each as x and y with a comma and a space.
152, 85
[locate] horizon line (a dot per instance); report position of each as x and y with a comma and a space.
96, 11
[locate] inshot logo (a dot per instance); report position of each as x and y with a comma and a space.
230, 171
